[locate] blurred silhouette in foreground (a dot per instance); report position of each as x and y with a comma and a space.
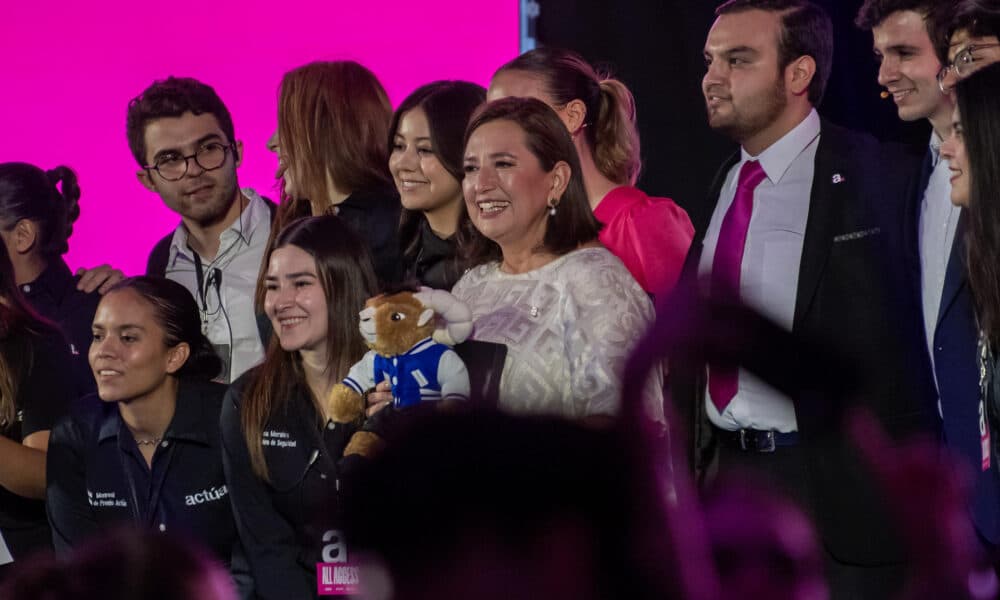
124, 564
487, 505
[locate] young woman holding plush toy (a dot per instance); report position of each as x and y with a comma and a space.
280, 445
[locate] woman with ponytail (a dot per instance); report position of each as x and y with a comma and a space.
33, 396
650, 235
146, 449
37, 212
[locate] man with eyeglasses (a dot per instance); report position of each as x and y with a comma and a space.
972, 32
908, 40
181, 134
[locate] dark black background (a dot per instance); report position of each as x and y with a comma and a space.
655, 47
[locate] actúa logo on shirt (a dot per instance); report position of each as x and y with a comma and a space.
210, 495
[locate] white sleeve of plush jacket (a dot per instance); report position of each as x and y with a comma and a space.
453, 376
361, 377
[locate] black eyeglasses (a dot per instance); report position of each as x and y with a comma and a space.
964, 64
173, 167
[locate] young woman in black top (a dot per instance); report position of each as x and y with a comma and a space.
281, 449
36, 220
425, 159
146, 449
333, 120
34, 394
971, 152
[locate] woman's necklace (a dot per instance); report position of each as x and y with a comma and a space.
148, 442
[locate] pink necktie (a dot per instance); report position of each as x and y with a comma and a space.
722, 381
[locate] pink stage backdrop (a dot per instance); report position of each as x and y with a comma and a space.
69, 69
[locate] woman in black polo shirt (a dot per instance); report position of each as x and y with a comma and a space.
33, 396
147, 450
281, 449
36, 220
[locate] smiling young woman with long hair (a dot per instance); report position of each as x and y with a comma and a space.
974, 160
281, 448
425, 159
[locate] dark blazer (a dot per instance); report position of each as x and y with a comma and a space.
956, 365
846, 302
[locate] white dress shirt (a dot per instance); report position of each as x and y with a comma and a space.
226, 297
769, 274
938, 222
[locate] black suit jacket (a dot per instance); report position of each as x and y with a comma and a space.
850, 302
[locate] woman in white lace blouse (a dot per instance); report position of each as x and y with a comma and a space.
567, 309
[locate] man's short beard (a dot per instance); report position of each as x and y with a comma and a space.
741, 130
231, 196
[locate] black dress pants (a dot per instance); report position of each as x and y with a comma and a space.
785, 471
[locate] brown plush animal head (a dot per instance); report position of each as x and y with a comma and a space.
392, 324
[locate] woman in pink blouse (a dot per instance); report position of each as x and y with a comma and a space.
650, 235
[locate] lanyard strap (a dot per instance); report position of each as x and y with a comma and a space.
199, 273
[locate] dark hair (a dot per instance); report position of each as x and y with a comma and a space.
806, 30
173, 97
549, 141
345, 270
610, 128
27, 192
176, 312
980, 18
18, 323
979, 107
873, 12
936, 13
448, 106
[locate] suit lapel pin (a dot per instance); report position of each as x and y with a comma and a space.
838, 178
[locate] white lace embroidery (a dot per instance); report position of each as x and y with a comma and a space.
568, 327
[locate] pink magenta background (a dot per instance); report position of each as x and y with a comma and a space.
69, 69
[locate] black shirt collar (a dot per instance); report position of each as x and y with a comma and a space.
190, 422
432, 246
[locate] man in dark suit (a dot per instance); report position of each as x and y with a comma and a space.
911, 69
801, 233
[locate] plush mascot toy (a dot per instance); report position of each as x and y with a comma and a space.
410, 352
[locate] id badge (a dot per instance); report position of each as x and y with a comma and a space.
984, 435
